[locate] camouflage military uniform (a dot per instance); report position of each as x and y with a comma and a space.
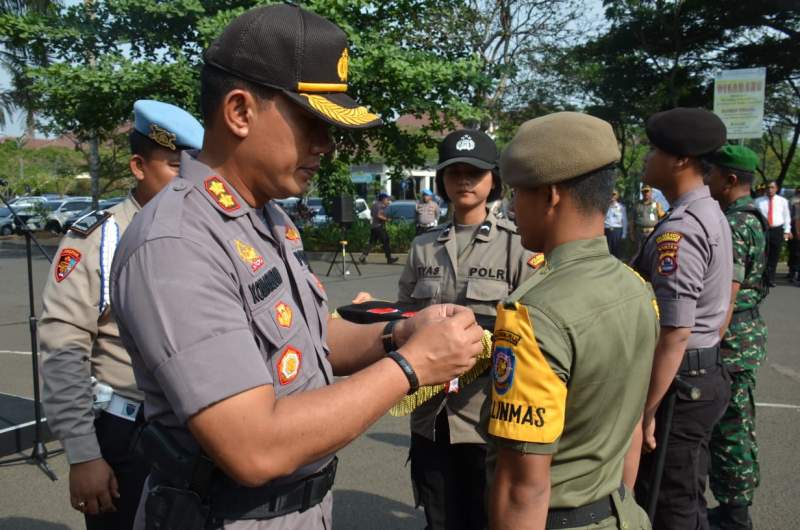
734, 451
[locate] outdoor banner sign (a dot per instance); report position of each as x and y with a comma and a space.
739, 101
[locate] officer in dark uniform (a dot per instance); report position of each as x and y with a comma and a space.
689, 261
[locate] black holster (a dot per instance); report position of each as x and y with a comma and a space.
178, 498
168, 508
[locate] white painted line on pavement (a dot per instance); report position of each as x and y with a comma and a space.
15, 352
778, 406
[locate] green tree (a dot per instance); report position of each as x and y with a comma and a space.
105, 55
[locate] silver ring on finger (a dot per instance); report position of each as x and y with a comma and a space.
81, 505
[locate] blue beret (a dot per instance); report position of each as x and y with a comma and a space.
427, 192
167, 125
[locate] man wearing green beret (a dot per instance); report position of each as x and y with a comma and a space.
572, 353
734, 452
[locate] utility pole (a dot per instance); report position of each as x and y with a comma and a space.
94, 143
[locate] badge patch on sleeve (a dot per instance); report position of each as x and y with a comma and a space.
220, 193
667, 245
283, 315
536, 261
528, 398
249, 255
292, 234
289, 365
67, 261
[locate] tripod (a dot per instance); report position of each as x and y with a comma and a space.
343, 254
39, 453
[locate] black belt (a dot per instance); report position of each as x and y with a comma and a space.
229, 501
744, 315
695, 362
586, 515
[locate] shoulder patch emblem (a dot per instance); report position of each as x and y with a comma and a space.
221, 194
67, 261
667, 245
249, 255
292, 234
283, 315
503, 369
289, 365
536, 261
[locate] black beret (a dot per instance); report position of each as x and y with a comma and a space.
686, 132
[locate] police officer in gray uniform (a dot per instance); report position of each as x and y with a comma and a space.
227, 327
476, 260
689, 261
82, 353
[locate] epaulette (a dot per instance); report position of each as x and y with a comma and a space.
507, 225
89, 222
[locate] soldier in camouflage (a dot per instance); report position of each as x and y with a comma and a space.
648, 213
734, 452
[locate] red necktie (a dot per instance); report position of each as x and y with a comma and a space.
769, 212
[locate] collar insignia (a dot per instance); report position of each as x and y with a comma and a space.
341, 66
283, 315
292, 234
536, 261
220, 193
485, 227
249, 255
162, 137
67, 261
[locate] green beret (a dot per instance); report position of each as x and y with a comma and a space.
558, 147
686, 132
736, 157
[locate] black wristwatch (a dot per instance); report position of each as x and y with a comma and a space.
409, 372
387, 336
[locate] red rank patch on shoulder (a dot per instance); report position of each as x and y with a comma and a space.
67, 261
289, 365
221, 194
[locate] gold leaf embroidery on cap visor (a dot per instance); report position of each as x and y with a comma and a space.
162, 137
343, 115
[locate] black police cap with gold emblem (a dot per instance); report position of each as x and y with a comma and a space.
298, 52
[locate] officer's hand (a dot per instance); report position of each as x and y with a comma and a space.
362, 297
648, 434
444, 345
92, 486
434, 313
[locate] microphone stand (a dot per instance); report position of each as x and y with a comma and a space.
39, 453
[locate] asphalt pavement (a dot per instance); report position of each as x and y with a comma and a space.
373, 489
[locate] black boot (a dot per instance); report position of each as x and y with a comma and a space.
730, 517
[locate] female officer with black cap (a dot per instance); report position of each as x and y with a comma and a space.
476, 260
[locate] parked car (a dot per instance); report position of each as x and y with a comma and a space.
7, 220
103, 204
362, 209
319, 215
60, 212
402, 211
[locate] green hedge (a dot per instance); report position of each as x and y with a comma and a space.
324, 238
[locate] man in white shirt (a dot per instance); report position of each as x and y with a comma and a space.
776, 209
616, 226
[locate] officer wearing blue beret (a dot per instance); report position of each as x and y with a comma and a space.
89, 393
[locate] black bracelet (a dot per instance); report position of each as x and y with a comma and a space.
387, 336
409, 372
